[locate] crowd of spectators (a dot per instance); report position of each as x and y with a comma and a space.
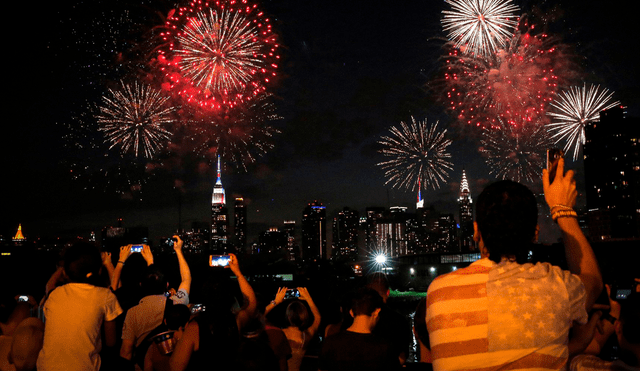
501, 312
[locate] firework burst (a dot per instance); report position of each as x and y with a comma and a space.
515, 152
417, 154
573, 110
135, 119
218, 54
515, 85
237, 134
480, 27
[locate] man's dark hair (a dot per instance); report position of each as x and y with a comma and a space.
297, 315
507, 216
630, 318
379, 282
80, 260
365, 301
154, 282
177, 316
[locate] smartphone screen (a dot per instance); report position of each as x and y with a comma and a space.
553, 156
219, 260
136, 248
292, 293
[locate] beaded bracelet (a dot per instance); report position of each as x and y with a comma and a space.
564, 214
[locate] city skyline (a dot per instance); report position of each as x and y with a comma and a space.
338, 94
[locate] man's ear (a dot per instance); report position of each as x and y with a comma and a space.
375, 313
351, 313
476, 232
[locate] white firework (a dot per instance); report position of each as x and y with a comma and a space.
574, 109
417, 155
480, 27
135, 118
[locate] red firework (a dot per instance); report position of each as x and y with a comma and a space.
514, 85
218, 54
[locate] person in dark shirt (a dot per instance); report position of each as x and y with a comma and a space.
392, 325
357, 348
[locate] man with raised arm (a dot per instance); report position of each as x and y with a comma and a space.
502, 312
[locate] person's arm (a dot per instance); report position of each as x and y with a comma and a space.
189, 343
561, 195
126, 349
110, 336
185, 273
247, 312
304, 295
107, 263
125, 251
279, 299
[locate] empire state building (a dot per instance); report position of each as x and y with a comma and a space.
219, 218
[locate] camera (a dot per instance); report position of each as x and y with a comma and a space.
23, 298
621, 292
136, 248
197, 308
553, 156
219, 260
170, 241
292, 293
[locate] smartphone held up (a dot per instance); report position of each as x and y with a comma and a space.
219, 260
553, 157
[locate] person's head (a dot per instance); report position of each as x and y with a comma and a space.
26, 344
297, 314
154, 282
506, 220
627, 327
177, 316
366, 302
379, 282
82, 262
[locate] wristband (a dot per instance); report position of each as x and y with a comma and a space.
273, 302
120, 261
564, 214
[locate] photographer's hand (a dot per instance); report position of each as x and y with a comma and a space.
185, 272
147, 255
282, 291
561, 190
177, 244
125, 251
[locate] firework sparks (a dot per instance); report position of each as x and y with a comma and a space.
515, 152
237, 134
514, 85
218, 54
417, 154
480, 27
574, 109
135, 118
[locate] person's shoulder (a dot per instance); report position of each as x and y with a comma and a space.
478, 270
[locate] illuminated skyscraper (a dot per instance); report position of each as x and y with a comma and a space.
240, 223
314, 231
345, 235
219, 216
466, 215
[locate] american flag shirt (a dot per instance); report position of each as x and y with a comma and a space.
505, 316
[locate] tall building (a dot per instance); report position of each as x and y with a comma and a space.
345, 235
19, 238
292, 246
219, 215
240, 224
465, 215
374, 214
314, 231
272, 241
612, 176
391, 232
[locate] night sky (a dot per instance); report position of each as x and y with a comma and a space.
349, 71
